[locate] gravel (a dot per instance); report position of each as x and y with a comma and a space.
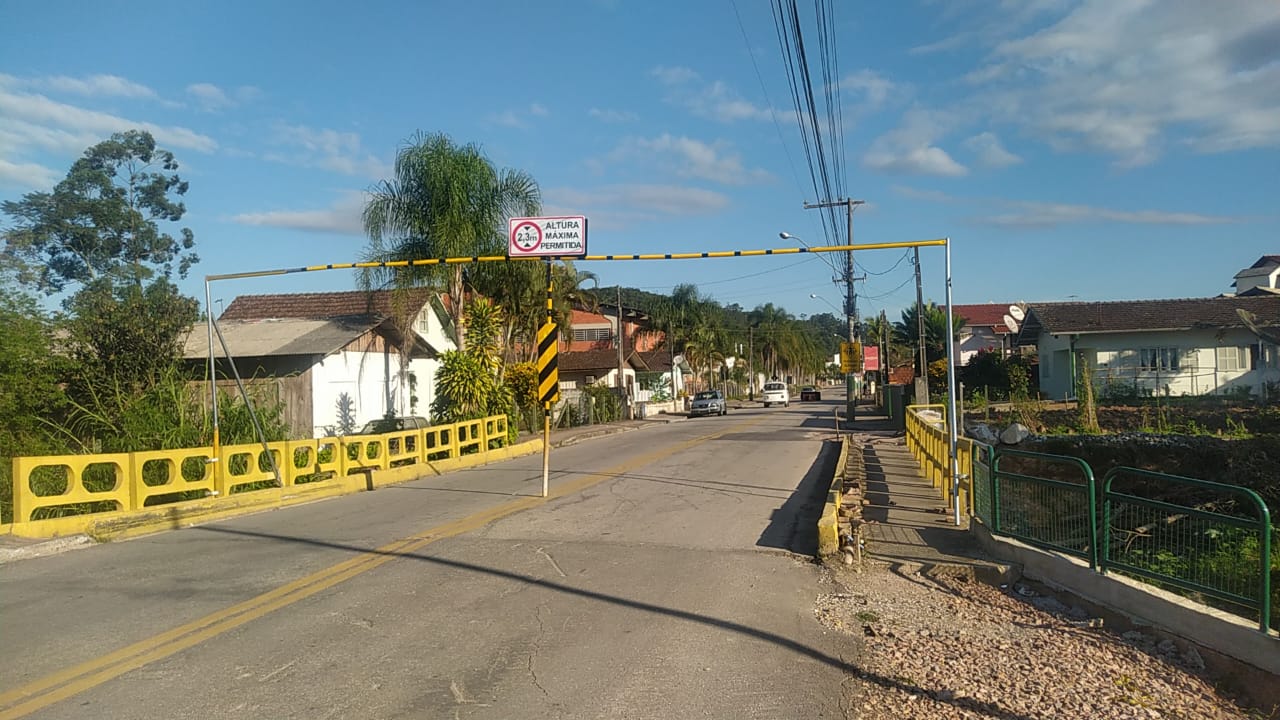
942, 647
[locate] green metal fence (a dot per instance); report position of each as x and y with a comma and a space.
983, 490
1045, 500
1219, 548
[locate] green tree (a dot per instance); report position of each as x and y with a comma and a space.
443, 200
906, 332
102, 220
467, 383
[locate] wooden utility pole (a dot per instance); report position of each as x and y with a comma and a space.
850, 297
922, 378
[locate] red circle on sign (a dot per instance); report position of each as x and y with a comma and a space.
527, 236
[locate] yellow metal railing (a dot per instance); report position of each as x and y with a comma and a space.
929, 443
83, 484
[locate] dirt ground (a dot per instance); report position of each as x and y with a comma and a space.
939, 648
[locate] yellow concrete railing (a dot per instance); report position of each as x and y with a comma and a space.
88, 484
928, 441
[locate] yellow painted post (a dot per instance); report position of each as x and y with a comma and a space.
548, 380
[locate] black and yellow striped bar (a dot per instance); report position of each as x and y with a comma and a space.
548, 367
592, 258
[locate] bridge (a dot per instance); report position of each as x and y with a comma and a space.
668, 574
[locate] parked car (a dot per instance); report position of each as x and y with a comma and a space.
775, 393
708, 402
395, 424
809, 392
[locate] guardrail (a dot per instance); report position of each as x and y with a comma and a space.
928, 442
1195, 548
1045, 502
61, 485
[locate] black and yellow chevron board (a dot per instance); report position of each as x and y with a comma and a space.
548, 369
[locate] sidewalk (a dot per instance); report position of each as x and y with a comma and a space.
910, 522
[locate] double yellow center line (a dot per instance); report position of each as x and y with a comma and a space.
66, 683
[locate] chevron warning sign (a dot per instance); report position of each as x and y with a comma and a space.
548, 369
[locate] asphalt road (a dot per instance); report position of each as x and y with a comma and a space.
668, 577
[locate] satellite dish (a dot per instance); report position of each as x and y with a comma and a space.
1010, 323
1016, 313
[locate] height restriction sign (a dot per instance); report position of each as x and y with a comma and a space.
551, 236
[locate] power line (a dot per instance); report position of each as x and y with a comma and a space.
733, 279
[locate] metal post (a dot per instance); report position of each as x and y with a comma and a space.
213, 384
546, 408
751, 363
921, 398
952, 420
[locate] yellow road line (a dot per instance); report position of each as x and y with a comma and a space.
71, 681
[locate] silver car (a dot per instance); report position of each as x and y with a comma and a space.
708, 402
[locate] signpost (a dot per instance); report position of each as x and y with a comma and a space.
558, 236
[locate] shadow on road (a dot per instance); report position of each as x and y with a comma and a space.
903, 685
794, 526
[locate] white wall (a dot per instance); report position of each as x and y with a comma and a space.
1117, 359
364, 376
974, 340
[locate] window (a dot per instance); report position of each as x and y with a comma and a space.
1233, 359
1160, 359
592, 334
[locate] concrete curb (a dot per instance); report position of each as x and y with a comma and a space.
829, 523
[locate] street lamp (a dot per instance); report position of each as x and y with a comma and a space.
788, 236
815, 296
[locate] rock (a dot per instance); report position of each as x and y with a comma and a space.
1015, 434
983, 433
1191, 658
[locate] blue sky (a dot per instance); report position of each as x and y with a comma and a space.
1093, 150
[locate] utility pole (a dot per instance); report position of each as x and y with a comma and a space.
751, 363
850, 298
885, 368
922, 378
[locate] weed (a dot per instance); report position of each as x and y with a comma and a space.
867, 616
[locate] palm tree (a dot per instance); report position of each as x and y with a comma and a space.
935, 330
444, 200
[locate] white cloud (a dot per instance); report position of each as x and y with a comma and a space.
691, 158
26, 176
873, 87
334, 150
96, 85
615, 207
1202, 78
343, 217
519, 118
715, 100
26, 111
212, 98
910, 149
613, 116
1033, 213
1042, 214
990, 152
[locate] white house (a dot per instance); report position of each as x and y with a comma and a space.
1169, 347
374, 352
984, 329
1260, 278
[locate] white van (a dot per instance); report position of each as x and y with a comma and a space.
775, 393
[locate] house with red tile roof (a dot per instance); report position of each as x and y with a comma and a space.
376, 352
984, 329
